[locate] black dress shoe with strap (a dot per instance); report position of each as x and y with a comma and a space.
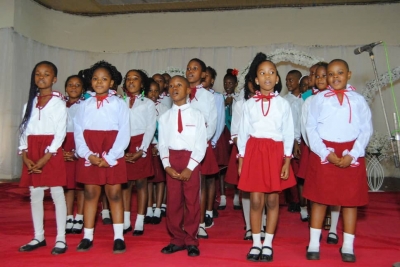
193, 251
29, 247
265, 257
332, 238
254, 257
57, 251
171, 248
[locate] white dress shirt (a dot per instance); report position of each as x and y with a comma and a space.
72, 110
192, 138
237, 109
50, 120
165, 99
328, 120
296, 103
205, 103
220, 106
160, 109
111, 115
304, 114
277, 124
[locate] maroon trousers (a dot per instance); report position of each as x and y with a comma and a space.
183, 223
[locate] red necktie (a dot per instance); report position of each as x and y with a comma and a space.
193, 93
180, 126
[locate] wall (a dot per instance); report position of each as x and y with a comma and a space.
6, 13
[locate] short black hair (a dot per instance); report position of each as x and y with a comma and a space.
201, 62
212, 72
183, 79
342, 61
78, 77
295, 72
149, 82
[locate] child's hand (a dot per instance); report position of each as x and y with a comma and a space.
240, 163
235, 140
296, 150
332, 158
41, 162
345, 161
185, 174
29, 163
154, 152
103, 164
136, 156
128, 157
94, 160
69, 156
285, 169
171, 172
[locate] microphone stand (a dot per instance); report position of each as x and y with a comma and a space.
397, 137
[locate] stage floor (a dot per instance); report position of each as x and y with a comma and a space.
377, 240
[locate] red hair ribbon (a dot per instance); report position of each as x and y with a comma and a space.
235, 72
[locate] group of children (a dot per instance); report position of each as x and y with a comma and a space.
169, 136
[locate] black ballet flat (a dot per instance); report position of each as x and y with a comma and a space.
138, 232
332, 240
58, 251
347, 257
27, 247
254, 257
127, 229
119, 246
156, 220
312, 255
147, 219
84, 245
247, 236
265, 257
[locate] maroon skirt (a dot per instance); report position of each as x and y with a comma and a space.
70, 166
303, 162
295, 166
222, 149
262, 166
331, 185
143, 167
159, 172
209, 164
53, 173
99, 142
232, 174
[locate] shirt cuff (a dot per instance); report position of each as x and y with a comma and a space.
192, 164
165, 162
354, 162
325, 154
110, 161
51, 150
144, 151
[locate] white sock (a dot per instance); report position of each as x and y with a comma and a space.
209, 213
154, 206
222, 201
303, 212
150, 212
139, 222
57, 194
127, 219
59, 244
70, 224
105, 213
334, 221
88, 233
315, 234
268, 243
118, 231
246, 209
164, 206
37, 210
236, 201
157, 212
348, 241
256, 243
78, 217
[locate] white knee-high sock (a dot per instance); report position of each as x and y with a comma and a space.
37, 210
313, 246
246, 209
334, 221
348, 241
57, 193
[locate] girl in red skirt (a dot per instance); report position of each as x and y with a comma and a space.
42, 131
338, 129
74, 87
101, 131
158, 179
265, 143
204, 101
139, 165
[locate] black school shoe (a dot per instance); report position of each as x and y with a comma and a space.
58, 251
312, 255
347, 257
265, 257
171, 248
155, 220
147, 219
193, 251
254, 257
27, 247
119, 246
84, 245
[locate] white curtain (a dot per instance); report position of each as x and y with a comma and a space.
18, 55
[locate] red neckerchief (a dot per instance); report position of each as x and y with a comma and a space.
314, 91
100, 100
42, 107
194, 91
132, 98
69, 104
260, 97
333, 92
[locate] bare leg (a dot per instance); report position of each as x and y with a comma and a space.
114, 195
69, 199
92, 195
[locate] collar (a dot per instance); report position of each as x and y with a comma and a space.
183, 107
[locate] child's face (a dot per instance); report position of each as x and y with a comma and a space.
133, 82
159, 79
102, 81
178, 90
338, 75
74, 88
266, 77
321, 81
44, 76
229, 85
311, 77
208, 81
154, 92
304, 84
194, 73
292, 82
166, 78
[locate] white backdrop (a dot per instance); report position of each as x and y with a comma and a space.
18, 55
